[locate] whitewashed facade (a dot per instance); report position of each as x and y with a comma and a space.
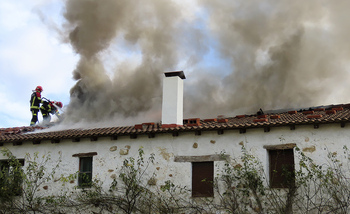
316, 143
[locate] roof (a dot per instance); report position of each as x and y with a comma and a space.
313, 116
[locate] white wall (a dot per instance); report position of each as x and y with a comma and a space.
165, 147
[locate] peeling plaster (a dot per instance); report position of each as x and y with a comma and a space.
163, 152
101, 161
237, 166
124, 152
152, 181
113, 148
309, 149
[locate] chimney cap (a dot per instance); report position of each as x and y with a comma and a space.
180, 74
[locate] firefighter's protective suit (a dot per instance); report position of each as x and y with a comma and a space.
48, 108
35, 101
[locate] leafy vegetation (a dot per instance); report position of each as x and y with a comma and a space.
241, 186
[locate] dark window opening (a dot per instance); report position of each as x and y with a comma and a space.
85, 172
202, 179
11, 176
282, 171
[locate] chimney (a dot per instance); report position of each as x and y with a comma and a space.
172, 107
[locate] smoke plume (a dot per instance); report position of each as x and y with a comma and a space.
274, 54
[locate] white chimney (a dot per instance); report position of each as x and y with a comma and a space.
172, 107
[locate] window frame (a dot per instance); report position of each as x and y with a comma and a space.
203, 186
280, 167
85, 156
86, 183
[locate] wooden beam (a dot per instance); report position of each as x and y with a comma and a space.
88, 154
93, 138
342, 124
55, 140
280, 146
76, 139
18, 143
36, 142
203, 158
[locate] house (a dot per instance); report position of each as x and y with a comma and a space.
187, 151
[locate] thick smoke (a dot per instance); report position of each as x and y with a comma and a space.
154, 27
277, 54
282, 54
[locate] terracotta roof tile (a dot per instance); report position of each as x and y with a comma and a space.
332, 114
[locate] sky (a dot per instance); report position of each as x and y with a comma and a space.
31, 54
104, 60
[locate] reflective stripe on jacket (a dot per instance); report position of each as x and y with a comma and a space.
35, 100
46, 107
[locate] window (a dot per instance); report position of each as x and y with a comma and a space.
281, 168
202, 179
85, 172
202, 172
11, 176
85, 168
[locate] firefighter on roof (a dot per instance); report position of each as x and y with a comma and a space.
35, 101
50, 107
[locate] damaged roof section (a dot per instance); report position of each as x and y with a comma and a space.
313, 116
18, 130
